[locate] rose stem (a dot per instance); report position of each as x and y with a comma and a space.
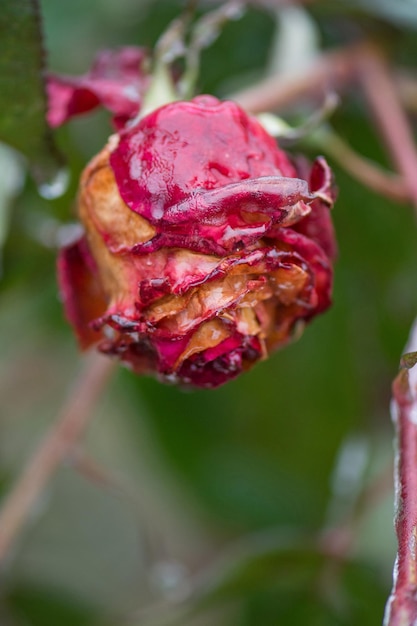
407, 87
402, 605
69, 426
331, 70
364, 170
382, 95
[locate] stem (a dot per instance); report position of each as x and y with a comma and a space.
382, 95
401, 608
70, 425
362, 169
407, 87
330, 71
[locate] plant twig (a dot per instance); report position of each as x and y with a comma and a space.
329, 72
361, 168
402, 605
382, 94
407, 87
70, 425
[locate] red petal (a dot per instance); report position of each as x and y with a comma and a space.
115, 81
184, 147
318, 225
80, 290
317, 261
222, 220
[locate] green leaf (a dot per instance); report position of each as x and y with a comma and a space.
22, 93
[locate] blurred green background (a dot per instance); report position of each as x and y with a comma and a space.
215, 496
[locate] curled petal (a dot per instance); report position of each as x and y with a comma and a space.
318, 225
322, 181
218, 221
249, 304
319, 263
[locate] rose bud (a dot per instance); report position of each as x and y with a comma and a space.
204, 248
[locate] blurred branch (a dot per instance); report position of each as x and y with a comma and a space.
361, 168
70, 425
331, 71
203, 33
101, 476
379, 86
402, 605
407, 87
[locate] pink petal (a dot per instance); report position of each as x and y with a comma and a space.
80, 290
318, 225
186, 147
115, 81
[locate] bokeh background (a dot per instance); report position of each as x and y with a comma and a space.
204, 506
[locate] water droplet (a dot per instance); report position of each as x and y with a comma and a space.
56, 186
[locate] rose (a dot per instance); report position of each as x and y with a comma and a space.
204, 248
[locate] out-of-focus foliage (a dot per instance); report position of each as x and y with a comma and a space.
22, 97
170, 480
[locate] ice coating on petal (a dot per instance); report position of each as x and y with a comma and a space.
208, 247
116, 81
189, 146
207, 176
222, 220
